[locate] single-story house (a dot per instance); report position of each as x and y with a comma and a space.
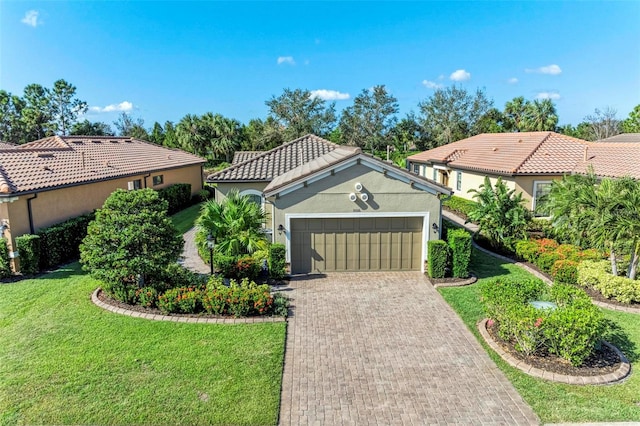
338, 209
527, 162
56, 178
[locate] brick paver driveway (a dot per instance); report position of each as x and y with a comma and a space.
385, 348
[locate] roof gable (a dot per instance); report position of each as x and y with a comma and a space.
71, 160
269, 164
340, 159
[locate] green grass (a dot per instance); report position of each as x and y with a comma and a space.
185, 219
65, 361
557, 402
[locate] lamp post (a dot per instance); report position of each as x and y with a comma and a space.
211, 243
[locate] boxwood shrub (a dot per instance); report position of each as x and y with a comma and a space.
460, 245
438, 252
277, 261
60, 243
460, 205
28, 246
571, 331
177, 195
5, 261
595, 275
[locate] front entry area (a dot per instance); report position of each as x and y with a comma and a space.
356, 244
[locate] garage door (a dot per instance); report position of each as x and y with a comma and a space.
356, 244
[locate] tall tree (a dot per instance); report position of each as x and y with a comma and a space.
540, 115
194, 136
603, 123
157, 134
88, 128
11, 126
132, 127
581, 131
300, 113
452, 113
409, 134
227, 135
514, 114
262, 135
65, 107
170, 138
632, 123
37, 114
368, 122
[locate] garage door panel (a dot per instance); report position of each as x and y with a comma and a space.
356, 244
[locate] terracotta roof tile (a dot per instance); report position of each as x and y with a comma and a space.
270, 164
242, 156
68, 160
612, 159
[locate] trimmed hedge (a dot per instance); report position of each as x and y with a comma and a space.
5, 261
177, 195
438, 252
565, 272
460, 205
571, 331
60, 243
594, 274
28, 246
277, 261
460, 245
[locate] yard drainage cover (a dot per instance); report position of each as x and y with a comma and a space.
539, 304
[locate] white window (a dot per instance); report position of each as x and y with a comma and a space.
134, 184
540, 190
416, 169
435, 174
255, 196
158, 180
459, 181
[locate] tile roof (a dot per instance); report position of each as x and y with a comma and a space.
337, 156
623, 137
242, 156
270, 164
7, 145
535, 153
71, 160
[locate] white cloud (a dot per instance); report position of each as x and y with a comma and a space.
512, 80
286, 60
552, 69
31, 18
431, 84
548, 95
329, 95
122, 106
460, 75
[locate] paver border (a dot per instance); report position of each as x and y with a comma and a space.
623, 371
176, 318
471, 280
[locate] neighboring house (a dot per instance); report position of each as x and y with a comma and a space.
53, 179
623, 137
527, 162
338, 209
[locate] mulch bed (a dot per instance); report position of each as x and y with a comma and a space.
596, 295
601, 362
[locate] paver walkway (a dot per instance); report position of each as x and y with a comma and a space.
190, 258
385, 348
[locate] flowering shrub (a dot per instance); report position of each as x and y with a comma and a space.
147, 297
545, 252
565, 272
571, 330
184, 300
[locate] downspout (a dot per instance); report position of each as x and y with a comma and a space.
145, 179
30, 212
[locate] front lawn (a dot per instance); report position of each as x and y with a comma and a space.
65, 361
185, 219
558, 402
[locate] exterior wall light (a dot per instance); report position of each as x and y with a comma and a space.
364, 197
352, 197
358, 187
280, 229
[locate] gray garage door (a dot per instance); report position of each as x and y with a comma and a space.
356, 244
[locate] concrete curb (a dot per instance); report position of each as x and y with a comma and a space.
471, 280
623, 371
179, 318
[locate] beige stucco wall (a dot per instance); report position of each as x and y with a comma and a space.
330, 195
525, 184
54, 206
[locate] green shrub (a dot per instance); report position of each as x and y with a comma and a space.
460, 245
593, 274
225, 265
125, 293
590, 254
60, 243
565, 272
446, 227
214, 301
28, 246
438, 252
460, 205
546, 260
280, 305
527, 250
184, 300
176, 275
178, 196
147, 297
571, 331
5, 261
277, 261
246, 267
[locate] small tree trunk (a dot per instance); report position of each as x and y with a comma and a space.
633, 266
614, 265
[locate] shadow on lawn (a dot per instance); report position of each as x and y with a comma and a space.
485, 266
617, 337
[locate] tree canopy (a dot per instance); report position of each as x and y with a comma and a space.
298, 113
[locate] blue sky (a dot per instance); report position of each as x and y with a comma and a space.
162, 60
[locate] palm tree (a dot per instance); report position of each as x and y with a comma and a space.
227, 134
540, 115
235, 223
